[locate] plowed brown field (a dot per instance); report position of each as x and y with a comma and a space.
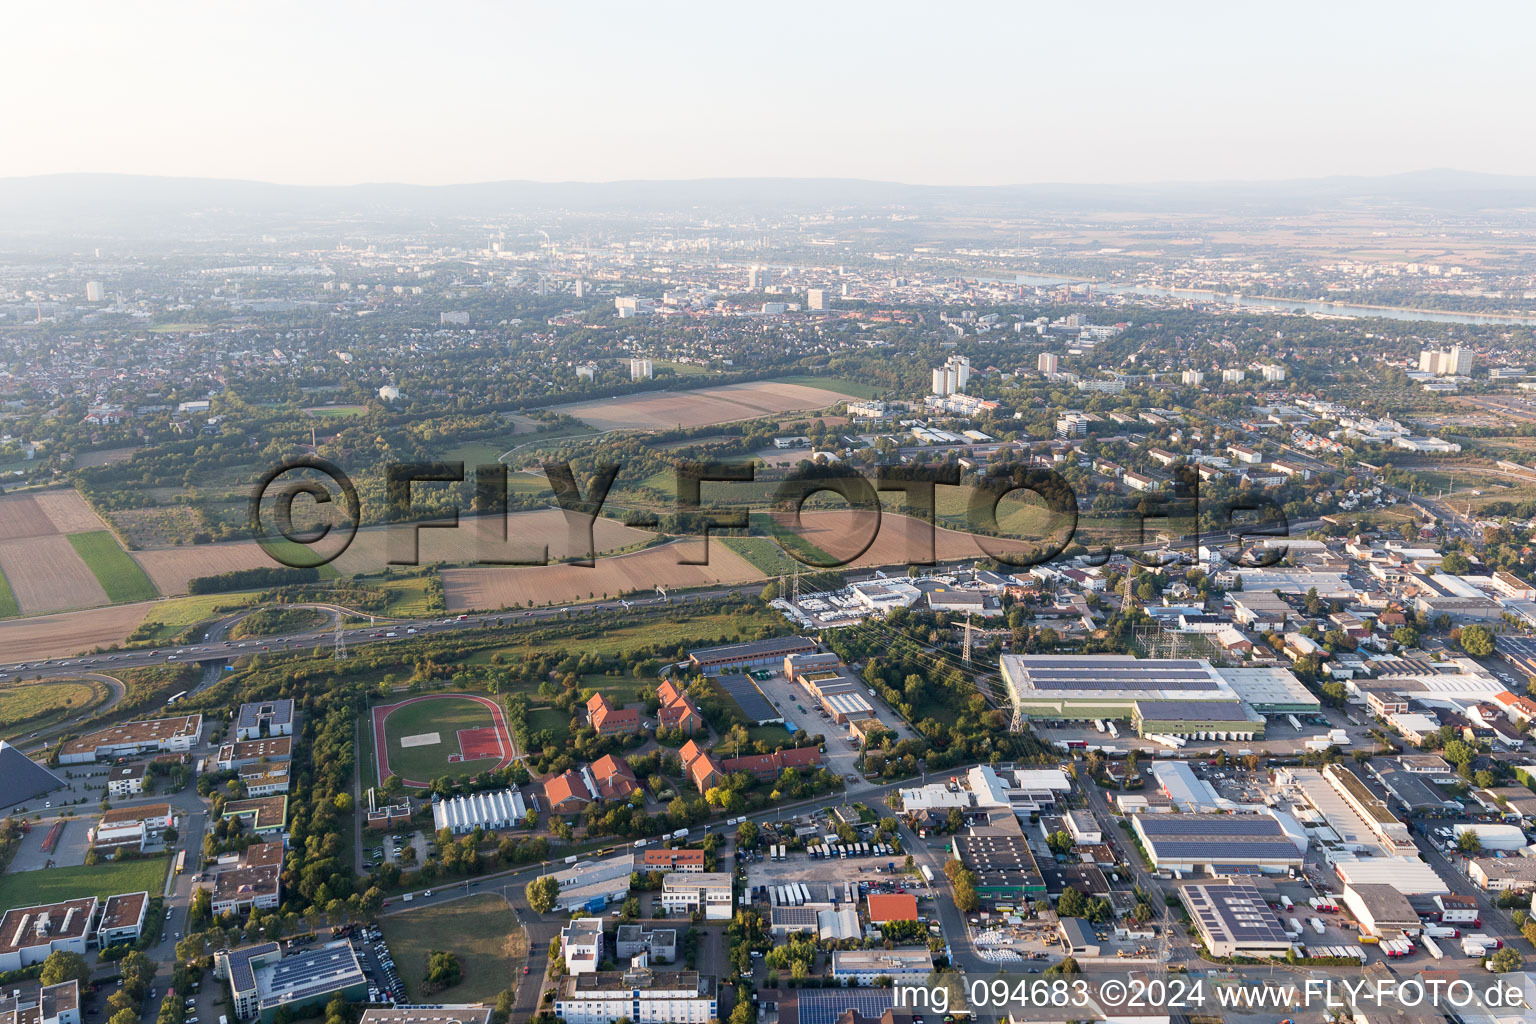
47, 575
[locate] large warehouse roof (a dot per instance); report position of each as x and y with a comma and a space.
1153, 676
1217, 838
1269, 687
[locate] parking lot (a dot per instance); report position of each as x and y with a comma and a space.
797, 705
378, 965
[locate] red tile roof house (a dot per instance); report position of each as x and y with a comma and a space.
567, 792
677, 710
892, 907
705, 771
615, 779
609, 720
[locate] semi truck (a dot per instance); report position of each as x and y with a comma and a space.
1318, 927
1433, 948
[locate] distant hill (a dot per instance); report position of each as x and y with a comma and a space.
46, 201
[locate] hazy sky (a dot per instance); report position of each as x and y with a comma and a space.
331, 92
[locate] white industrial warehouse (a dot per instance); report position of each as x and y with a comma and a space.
461, 814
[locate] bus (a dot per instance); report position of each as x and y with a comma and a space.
173, 698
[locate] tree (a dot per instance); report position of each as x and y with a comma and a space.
1406, 636
1477, 641
1061, 842
1469, 843
1506, 959
443, 970
1071, 903
542, 892
62, 965
746, 835
125, 1017
1456, 563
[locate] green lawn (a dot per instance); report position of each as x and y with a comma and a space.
842, 384
8, 606
26, 706
443, 715
119, 575
552, 719
764, 554
169, 619
336, 411
408, 597
480, 930
102, 880
620, 690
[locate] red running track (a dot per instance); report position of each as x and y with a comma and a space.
381, 753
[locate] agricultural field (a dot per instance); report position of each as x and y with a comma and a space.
480, 930
27, 707
607, 635
101, 880
119, 575
8, 606
47, 575
45, 514
70, 633
660, 410
105, 457
423, 738
513, 586
839, 385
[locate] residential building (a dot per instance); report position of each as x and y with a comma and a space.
638, 994
53, 1004
125, 780
609, 720
581, 945
685, 861
708, 892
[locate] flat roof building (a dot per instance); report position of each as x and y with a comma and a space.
262, 980
639, 994
592, 884
1381, 910
172, 735
266, 718
1234, 919
122, 919
1271, 691
863, 966
755, 654
1001, 860
236, 755
460, 1013
29, 934
1184, 842
709, 891
53, 1004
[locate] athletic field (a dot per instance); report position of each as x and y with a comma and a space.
422, 738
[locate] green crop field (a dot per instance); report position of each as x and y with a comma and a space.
481, 931
101, 880
169, 619
840, 384
119, 575
444, 715
8, 606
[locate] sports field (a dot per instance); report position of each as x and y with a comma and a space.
424, 738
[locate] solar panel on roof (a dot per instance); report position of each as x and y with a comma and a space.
826, 1007
749, 698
